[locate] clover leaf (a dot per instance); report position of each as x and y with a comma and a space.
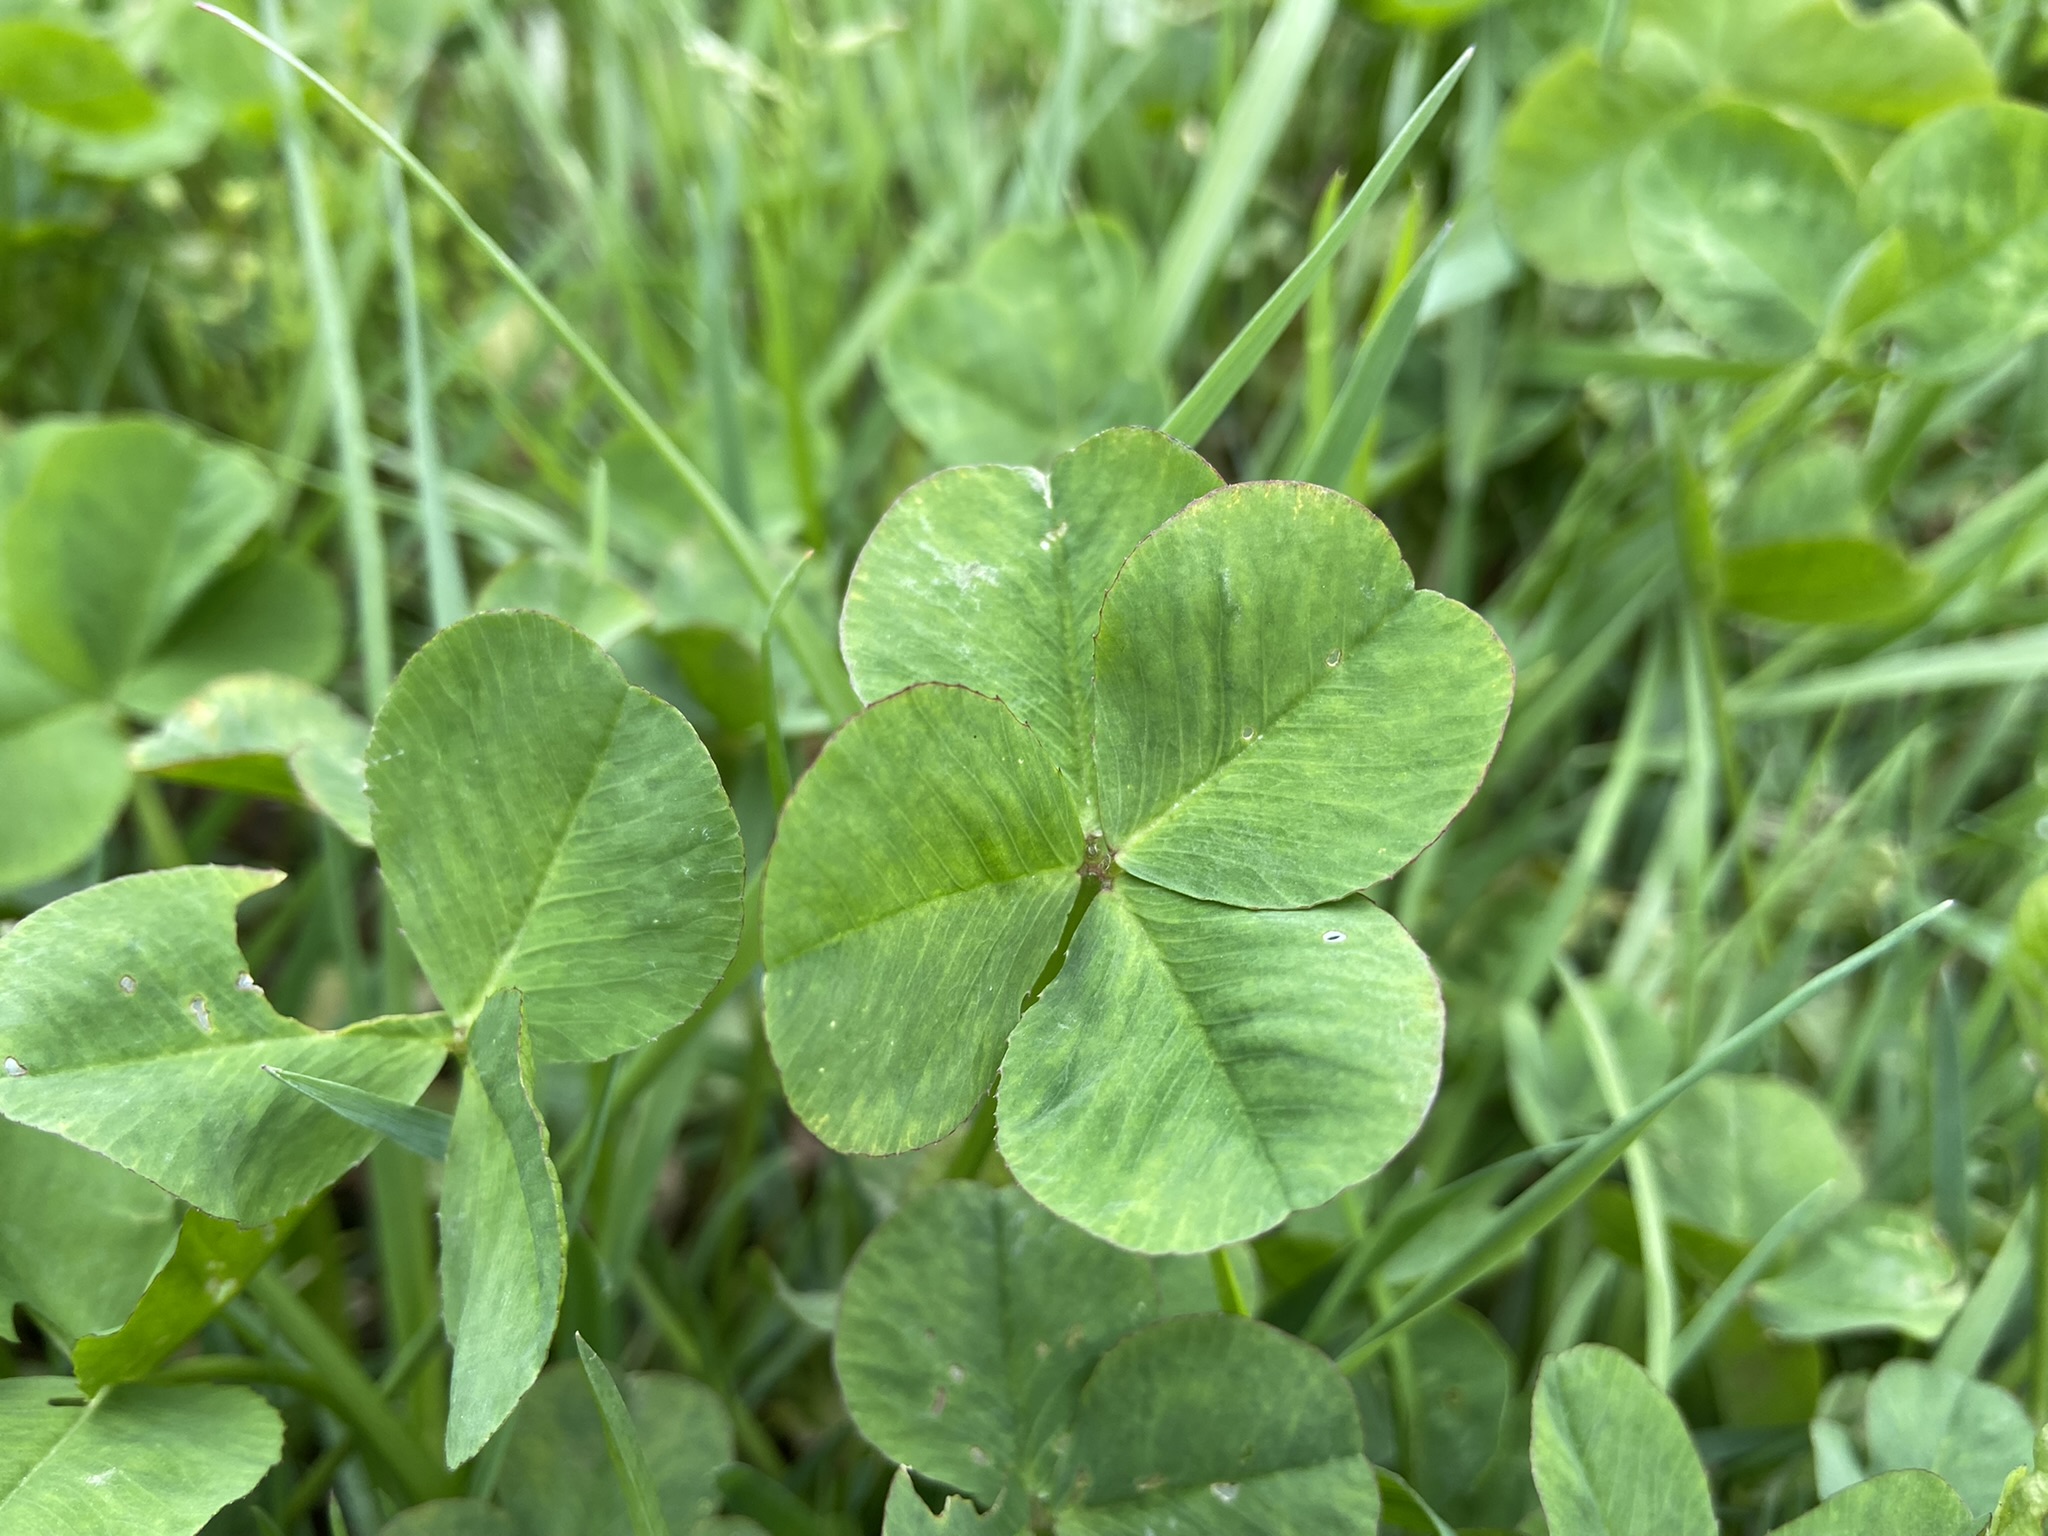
998, 1350
1165, 745
132, 572
1037, 345
134, 993
138, 1461
546, 826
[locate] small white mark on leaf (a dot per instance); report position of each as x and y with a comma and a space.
1334, 936
1226, 1493
1041, 1349
1333, 658
1148, 1484
1249, 734
977, 1455
127, 985
244, 982
200, 1016
957, 1373
13, 1068
938, 1402
101, 1479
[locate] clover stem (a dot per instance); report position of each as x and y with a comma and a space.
1229, 1294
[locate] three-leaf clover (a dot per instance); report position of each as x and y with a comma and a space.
1191, 746
131, 573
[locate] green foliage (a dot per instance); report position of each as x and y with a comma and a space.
1159, 1069
1037, 346
502, 1233
146, 1460
593, 865
1261, 649
134, 991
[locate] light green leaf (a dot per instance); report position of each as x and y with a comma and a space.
604, 609
548, 827
212, 1262
1896, 1504
907, 1514
267, 734
134, 993
452, 1517
1037, 347
140, 1461
71, 77
1561, 155
1282, 718
277, 613
1819, 581
1964, 279
723, 671
120, 526
503, 1238
622, 1444
1550, 1075
421, 1131
1812, 491
61, 760
1196, 1071
992, 578
1743, 223
919, 882
1610, 1453
1969, 1433
1217, 1425
967, 1324
1878, 1268
1886, 68
556, 1480
1737, 1153
79, 1236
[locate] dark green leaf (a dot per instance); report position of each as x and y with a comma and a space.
966, 1327
1213, 1426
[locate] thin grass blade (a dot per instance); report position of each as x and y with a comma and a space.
1327, 460
1252, 123
1197, 413
622, 1440
414, 1127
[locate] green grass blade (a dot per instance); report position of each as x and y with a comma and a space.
1700, 1329
2018, 657
1328, 459
1557, 1191
1246, 136
813, 649
344, 386
622, 1441
1226, 376
1970, 1336
1660, 1284
414, 1127
447, 591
